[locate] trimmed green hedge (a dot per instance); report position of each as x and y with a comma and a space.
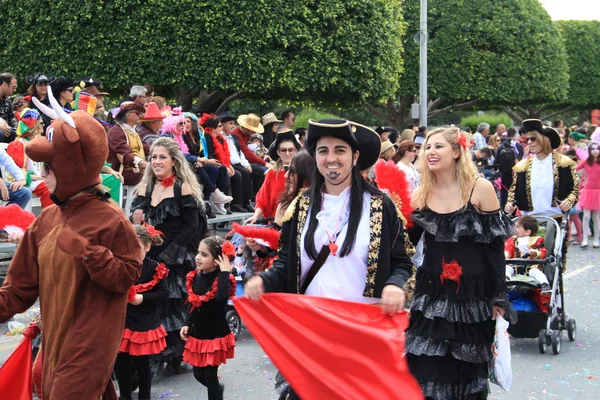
493, 119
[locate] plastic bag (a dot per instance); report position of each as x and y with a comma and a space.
500, 368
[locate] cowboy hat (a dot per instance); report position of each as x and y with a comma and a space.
269, 119
128, 106
250, 122
152, 113
536, 125
283, 135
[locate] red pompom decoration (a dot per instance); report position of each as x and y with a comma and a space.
451, 271
152, 230
265, 236
393, 179
228, 249
14, 219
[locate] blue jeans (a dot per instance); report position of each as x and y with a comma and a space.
20, 197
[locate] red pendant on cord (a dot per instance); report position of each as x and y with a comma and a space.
167, 182
333, 247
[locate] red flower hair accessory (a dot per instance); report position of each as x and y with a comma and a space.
461, 139
228, 249
206, 117
451, 271
152, 230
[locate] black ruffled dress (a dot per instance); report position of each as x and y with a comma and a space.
448, 342
183, 223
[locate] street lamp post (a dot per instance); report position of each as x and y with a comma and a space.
423, 37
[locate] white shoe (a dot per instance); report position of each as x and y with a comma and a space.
217, 208
220, 198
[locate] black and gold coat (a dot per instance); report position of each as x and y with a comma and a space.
566, 182
388, 261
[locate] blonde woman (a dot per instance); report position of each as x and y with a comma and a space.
461, 285
494, 141
171, 199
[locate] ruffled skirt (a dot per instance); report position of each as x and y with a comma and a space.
448, 342
143, 343
209, 352
589, 200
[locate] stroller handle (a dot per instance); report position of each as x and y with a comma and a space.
529, 261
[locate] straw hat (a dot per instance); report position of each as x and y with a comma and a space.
269, 119
385, 146
251, 122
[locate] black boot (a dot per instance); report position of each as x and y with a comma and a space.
222, 391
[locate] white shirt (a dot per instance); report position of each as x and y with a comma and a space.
234, 156
412, 175
542, 188
339, 278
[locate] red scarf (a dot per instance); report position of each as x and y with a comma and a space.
197, 300
221, 148
160, 273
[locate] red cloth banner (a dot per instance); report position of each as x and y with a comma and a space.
15, 374
332, 349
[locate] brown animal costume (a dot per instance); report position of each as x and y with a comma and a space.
81, 257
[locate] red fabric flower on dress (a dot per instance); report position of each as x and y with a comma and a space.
170, 181
451, 271
461, 140
160, 272
152, 230
228, 249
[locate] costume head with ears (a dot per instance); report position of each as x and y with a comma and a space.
75, 146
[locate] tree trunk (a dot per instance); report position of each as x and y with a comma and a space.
225, 103
184, 97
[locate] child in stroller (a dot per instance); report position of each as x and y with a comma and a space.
541, 308
527, 244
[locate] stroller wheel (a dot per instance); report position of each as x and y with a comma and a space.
542, 341
556, 341
572, 329
235, 322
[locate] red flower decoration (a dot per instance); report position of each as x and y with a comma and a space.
451, 271
170, 181
160, 272
461, 140
152, 230
197, 300
228, 249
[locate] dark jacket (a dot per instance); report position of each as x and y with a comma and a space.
390, 266
566, 182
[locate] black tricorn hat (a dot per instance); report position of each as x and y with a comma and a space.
536, 125
285, 134
359, 137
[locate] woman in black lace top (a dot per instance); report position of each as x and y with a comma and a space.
460, 286
171, 199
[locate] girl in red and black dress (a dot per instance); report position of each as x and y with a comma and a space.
209, 340
143, 335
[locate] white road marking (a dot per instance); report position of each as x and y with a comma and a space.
578, 271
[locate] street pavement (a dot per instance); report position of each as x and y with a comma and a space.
574, 374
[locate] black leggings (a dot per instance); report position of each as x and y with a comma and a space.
208, 376
124, 366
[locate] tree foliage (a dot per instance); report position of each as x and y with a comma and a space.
328, 50
582, 43
488, 52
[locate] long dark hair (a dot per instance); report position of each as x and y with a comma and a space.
304, 168
590, 159
359, 187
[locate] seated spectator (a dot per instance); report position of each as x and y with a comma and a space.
210, 172
92, 86
126, 150
271, 125
19, 103
28, 128
267, 198
8, 122
138, 94
15, 192
256, 145
249, 124
39, 90
149, 128
62, 89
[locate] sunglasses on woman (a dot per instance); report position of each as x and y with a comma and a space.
531, 139
291, 150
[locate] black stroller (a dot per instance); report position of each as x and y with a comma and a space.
549, 319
